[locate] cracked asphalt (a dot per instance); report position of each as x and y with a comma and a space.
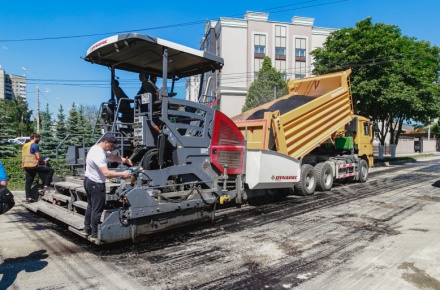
383, 234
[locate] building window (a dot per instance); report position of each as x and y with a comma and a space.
259, 49
280, 65
259, 46
366, 129
258, 62
280, 52
300, 70
300, 49
280, 42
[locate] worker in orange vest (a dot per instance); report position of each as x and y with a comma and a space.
32, 163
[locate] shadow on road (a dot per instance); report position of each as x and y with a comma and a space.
12, 266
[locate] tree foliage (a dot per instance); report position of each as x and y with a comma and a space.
395, 78
261, 90
14, 122
61, 130
85, 123
49, 141
72, 121
19, 116
52, 133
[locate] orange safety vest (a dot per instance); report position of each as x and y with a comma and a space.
28, 160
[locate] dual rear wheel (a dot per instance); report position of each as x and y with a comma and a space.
321, 177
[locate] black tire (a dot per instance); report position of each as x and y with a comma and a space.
149, 161
324, 176
363, 171
307, 185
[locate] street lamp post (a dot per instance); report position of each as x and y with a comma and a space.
38, 102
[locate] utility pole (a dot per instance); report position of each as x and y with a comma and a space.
429, 129
37, 94
38, 111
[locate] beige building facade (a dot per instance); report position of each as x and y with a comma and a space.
12, 86
243, 44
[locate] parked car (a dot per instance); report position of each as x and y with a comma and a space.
19, 140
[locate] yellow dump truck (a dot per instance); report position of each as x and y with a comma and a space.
315, 124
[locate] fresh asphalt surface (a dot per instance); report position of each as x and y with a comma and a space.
383, 234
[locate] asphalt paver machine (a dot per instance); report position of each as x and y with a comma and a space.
187, 157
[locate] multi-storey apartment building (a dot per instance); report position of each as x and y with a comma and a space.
243, 44
12, 86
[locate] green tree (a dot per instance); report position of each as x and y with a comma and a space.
395, 78
61, 130
86, 125
72, 121
436, 129
6, 132
79, 123
90, 115
20, 116
73, 128
49, 142
261, 90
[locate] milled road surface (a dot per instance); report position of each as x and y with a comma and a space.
384, 234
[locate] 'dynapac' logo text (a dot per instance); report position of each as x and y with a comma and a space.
99, 44
284, 177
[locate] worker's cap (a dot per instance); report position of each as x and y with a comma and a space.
110, 139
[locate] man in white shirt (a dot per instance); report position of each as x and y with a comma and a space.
94, 181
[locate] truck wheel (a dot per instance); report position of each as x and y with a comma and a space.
324, 176
363, 170
307, 184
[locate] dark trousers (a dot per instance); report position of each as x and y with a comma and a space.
30, 176
95, 204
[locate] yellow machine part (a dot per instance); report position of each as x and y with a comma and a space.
224, 198
302, 129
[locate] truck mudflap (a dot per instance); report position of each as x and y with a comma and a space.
271, 170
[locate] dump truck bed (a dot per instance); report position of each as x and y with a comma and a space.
315, 108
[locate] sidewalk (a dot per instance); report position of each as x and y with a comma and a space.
37, 254
405, 158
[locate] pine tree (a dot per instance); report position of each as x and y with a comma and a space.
72, 121
49, 142
73, 128
61, 130
6, 132
85, 126
261, 90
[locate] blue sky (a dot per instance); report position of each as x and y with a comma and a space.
56, 66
